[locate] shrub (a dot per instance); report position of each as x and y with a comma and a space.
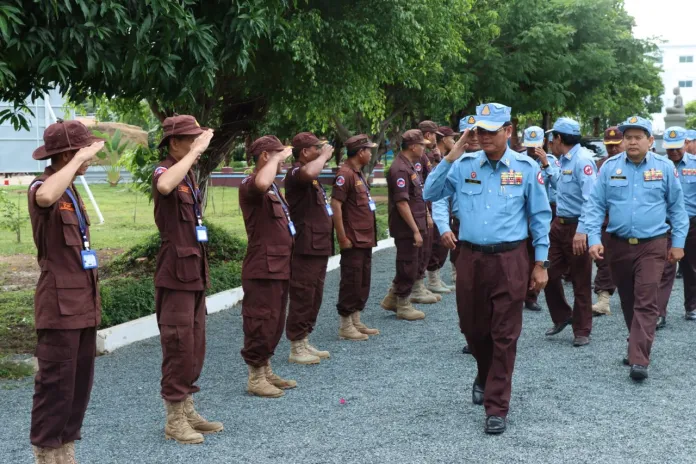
126, 299
225, 276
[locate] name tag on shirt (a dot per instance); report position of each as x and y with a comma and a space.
472, 181
567, 172
329, 211
89, 259
202, 233
373, 205
618, 177
291, 228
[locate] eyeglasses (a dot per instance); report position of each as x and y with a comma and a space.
483, 132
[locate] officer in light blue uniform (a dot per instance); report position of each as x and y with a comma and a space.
675, 139
640, 191
691, 141
568, 240
500, 196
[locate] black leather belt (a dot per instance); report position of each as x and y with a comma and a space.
636, 241
490, 249
568, 220
692, 220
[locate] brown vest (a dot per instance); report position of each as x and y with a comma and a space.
182, 262
67, 296
269, 247
307, 201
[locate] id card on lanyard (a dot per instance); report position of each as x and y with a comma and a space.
201, 230
89, 257
291, 225
371, 203
327, 205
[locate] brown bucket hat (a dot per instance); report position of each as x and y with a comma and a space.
64, 136
267, 143
180, 125
359, 141
305, 140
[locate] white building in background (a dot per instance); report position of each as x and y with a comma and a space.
678, 70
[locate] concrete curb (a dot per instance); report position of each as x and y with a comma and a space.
118, 336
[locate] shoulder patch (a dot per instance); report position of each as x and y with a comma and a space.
245, 180
35, 185
588, 170
419, 167
340, 181
294, 171
400, 182
540, 178
159, 170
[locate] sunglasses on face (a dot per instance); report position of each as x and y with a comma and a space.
483, 132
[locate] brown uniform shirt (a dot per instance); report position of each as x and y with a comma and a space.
308, 202
404, 184
358, 221
182, 262
434, 156
269, 242
67, 296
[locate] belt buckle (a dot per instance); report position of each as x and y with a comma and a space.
633, 241
561, 220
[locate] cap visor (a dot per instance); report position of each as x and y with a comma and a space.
612, 142
40, 153
672, 145
626, 127
533, 144
440, 133
489, 125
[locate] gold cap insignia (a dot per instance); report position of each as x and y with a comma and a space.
633, 120
673, 134
196, 121
486, 111
533, 135
472, 120
612, 133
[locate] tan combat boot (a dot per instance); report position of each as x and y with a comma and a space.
347, 330
453, 287
435, 284
601, 308
46, 455
260, 386
420, 294
299, 354
389, 301
177, 427
313, 350
67, 453
277, 380
407, 312
362, 328
198, 422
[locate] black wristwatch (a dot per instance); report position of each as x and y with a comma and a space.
545, 166
544, 264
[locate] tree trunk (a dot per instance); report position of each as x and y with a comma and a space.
595, 127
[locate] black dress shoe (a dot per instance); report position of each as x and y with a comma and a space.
477, 392
690, 315
661, 323
532, 306
558, 328
495, 425
466, 350
625, 361
638, 372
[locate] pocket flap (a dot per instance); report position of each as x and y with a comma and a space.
186, 197
278, 250
52, 353
184, 252
69, 217
72, 280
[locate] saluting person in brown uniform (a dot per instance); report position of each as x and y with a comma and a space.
266, 268
354, 220
181, 276
407, 224
311, 213
67, 307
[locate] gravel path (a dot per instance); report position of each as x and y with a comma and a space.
407, 396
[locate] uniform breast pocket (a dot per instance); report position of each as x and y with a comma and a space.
470, 193
71, 228
654, 190
514, 197
186, 207
566, 178
361, 195
617, 189
276, 206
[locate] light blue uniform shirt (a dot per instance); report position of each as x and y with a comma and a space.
495, 205
638, 207
441, 213
687, 175
578, 172
551, 175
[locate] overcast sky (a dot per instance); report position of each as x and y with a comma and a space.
673, 20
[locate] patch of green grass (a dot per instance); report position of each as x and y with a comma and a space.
17, 333
14, 371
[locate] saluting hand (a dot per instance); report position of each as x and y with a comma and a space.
597, 252
539, 278
89, 153
448, 240
200, 144
459, 147
579, 244
285, 154
542, 155
327, 151
675, 255
417, 239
